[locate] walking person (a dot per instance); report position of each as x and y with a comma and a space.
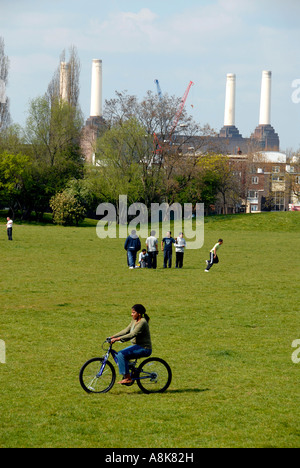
9, 227
180, 245
167, 248
213, 255
152, 249
132, 246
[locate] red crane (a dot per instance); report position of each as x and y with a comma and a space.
180, 109
157, 144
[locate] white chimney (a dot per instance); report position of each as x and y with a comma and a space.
64, 81
229, 117
96, 93
265, 99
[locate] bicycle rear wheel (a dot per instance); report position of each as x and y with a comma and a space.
90, 380
154, 376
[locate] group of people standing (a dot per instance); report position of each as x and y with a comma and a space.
148, 256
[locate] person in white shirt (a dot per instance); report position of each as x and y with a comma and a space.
9, 226
143, 259
180, 245
152, 249
213, 255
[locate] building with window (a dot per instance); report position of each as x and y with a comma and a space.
270, 181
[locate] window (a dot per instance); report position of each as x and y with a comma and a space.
254, 180
297, 180
254, 208
276, 169
252, 194
277, 178
278, 201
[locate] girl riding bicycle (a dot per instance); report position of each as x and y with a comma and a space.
139, 333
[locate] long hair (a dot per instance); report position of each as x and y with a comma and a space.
140, 309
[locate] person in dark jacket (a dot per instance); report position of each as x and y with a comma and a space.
132, 246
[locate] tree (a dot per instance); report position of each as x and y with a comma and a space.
4, 101
12, 168
118, 156
67, 209
53, 134
12, 139
293, 176
217, 180
228, 183
162, 160
53, 131
74, 67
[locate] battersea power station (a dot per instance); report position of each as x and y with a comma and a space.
264, 137
264, 172
228, 141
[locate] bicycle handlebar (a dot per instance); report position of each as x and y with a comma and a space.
108, 340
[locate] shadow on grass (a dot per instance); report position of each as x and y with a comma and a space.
170, 392
189, 390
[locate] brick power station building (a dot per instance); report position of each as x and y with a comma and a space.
266, 175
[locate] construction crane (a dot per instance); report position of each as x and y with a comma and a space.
176, 118
159, 92
180, 109
160, 96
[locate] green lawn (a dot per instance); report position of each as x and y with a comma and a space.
227, 336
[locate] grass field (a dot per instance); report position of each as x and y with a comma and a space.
227, 336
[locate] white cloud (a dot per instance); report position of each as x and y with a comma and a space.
138, 44
121, 32
190, 31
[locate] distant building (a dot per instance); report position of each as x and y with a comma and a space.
264, 137
267, 179
94, 127
95, 124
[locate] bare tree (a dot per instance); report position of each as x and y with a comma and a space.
74, 76
74, 66
4, 101
293, 175
168, 152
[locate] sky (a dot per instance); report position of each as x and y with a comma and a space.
174, 41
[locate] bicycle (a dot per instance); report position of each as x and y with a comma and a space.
98, 375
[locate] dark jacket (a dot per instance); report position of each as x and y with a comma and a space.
132, 244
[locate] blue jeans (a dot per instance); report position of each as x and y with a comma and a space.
132, 352
131, 257
168, 258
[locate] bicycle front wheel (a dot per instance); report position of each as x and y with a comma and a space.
154, 376
92, 382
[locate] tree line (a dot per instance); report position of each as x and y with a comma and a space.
42, 166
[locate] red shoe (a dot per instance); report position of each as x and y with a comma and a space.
126, 381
